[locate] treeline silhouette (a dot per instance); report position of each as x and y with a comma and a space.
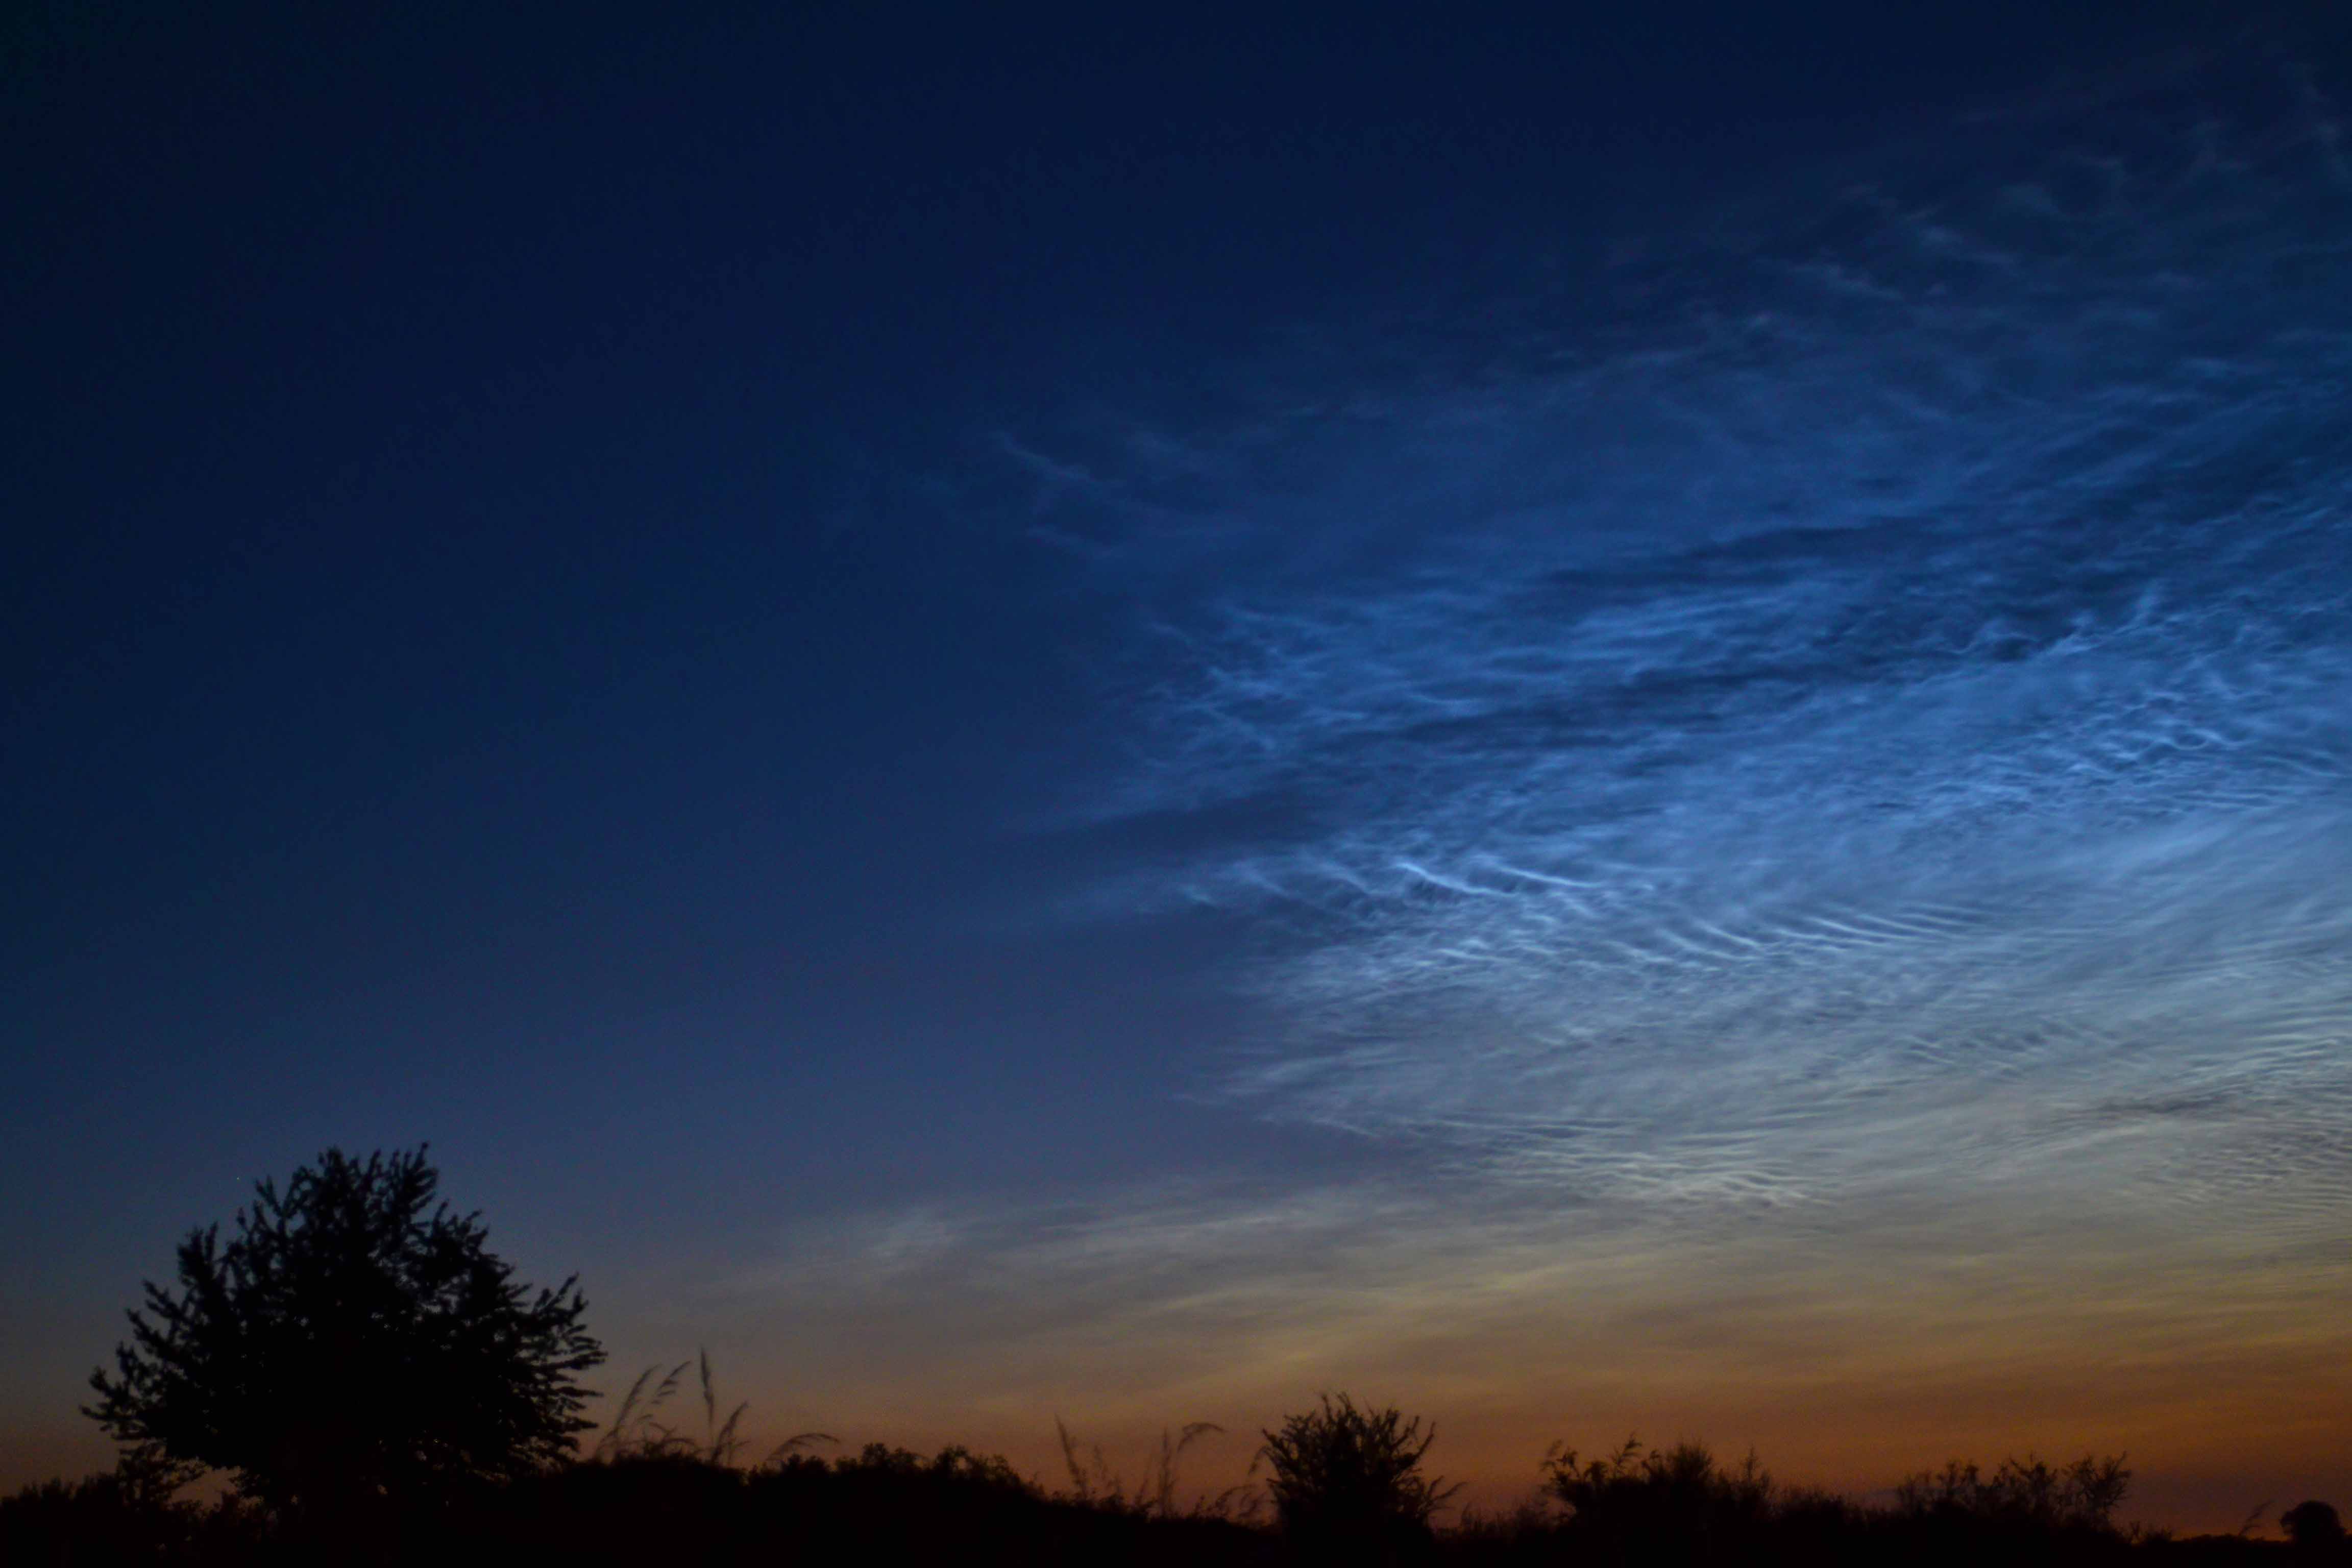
634, 1503
376, 1389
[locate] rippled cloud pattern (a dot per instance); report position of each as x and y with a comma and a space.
1840, 712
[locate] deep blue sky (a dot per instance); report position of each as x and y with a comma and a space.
850, 633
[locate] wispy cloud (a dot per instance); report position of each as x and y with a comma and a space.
1794, 790
1854, 702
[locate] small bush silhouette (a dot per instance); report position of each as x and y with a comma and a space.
1346, 1483
2314, 1526
353, 1350
1677, 1501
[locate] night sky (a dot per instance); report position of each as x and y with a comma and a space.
1597, 722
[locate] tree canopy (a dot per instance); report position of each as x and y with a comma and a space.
354, 1343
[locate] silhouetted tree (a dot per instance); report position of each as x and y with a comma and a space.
2312, 1525
1346, 1483
353, 1347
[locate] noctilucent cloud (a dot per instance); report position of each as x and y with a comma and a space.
1728, 816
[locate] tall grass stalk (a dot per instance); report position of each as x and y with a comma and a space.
638, 1432
1093, 1483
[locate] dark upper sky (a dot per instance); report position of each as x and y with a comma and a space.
772, 623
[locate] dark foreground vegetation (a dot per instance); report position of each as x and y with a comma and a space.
1672, 1507
372, 1388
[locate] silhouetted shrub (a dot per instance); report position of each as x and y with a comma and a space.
131, 1514
354, 1353
93, 1521
1676, 1503
2314, 1526
1346, 1483
2081, 1496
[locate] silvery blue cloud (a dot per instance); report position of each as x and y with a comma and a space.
1844, 700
